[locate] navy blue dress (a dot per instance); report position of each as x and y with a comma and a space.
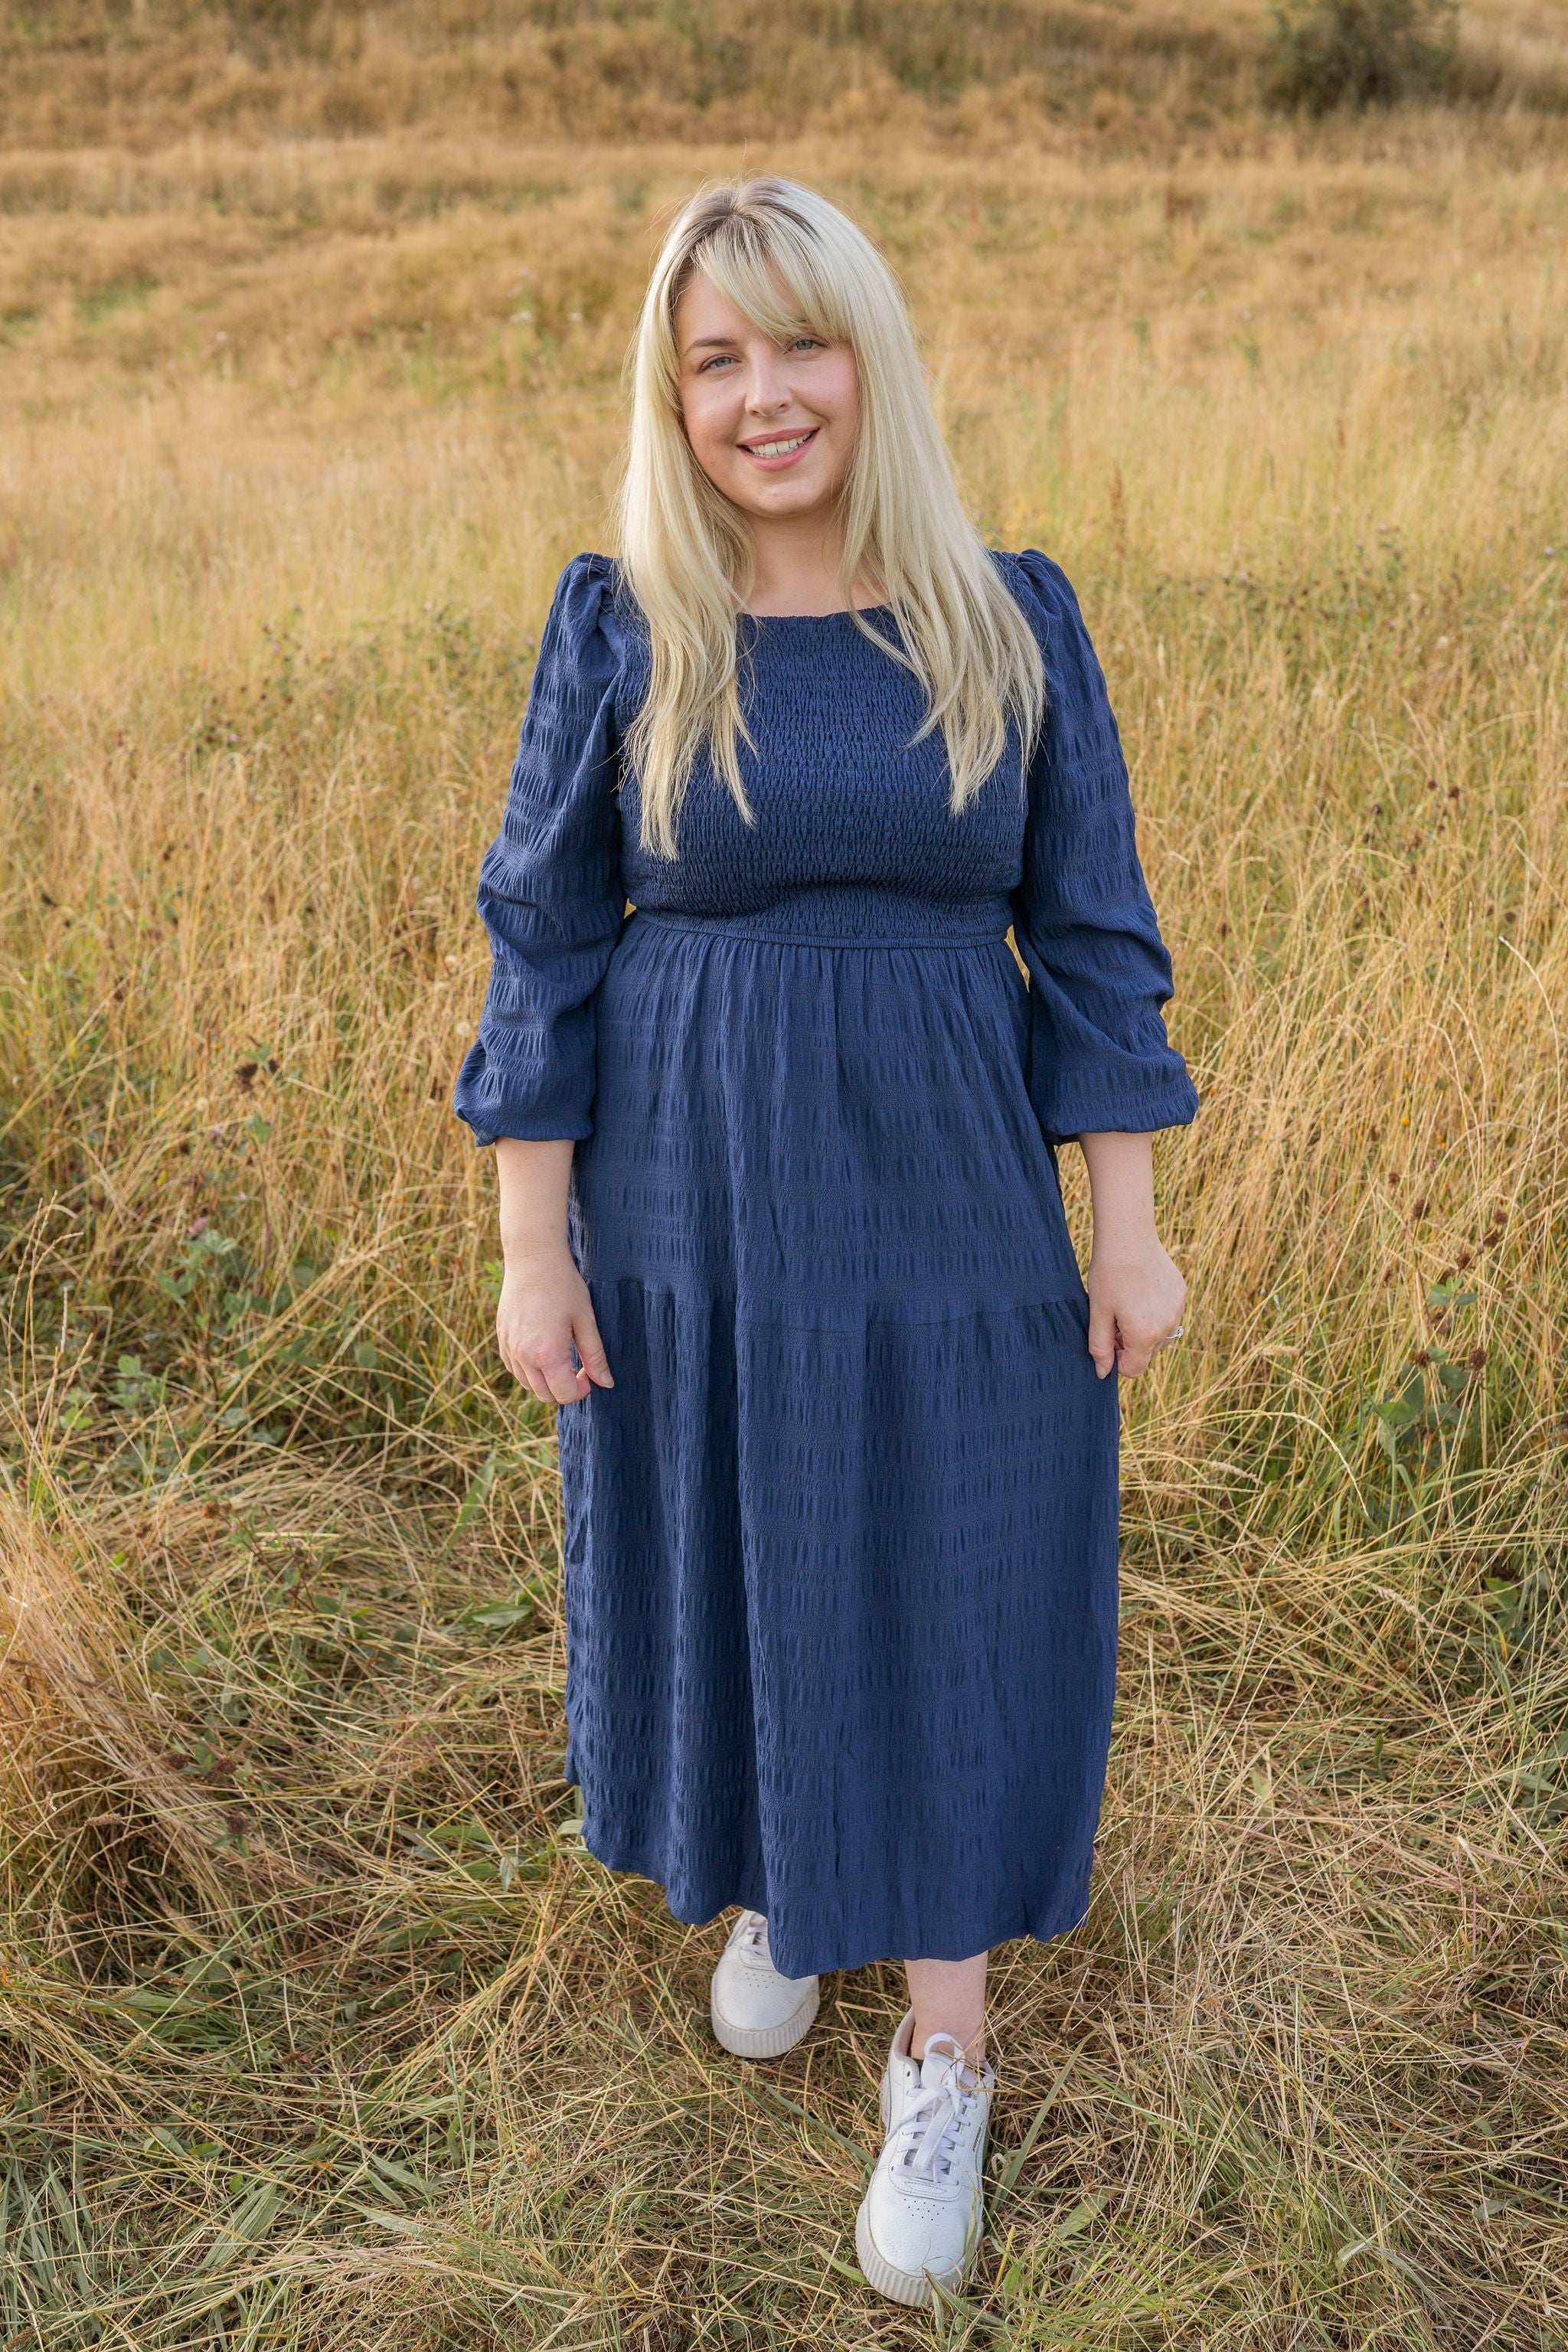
841, 1541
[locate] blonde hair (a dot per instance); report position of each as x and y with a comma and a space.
792, 263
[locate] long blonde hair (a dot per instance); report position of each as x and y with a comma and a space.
792, 263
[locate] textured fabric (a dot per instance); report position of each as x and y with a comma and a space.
840, 1561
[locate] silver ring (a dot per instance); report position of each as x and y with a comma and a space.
1177, 1332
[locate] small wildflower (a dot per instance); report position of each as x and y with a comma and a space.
1477, 1359
1423, 1358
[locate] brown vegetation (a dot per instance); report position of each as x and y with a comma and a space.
319, 2028
142, 73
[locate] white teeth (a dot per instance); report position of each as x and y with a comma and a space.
777, 449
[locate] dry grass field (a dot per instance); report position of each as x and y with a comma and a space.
318, 2028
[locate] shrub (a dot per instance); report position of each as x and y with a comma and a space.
1357, 53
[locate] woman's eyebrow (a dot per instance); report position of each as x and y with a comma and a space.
712, 343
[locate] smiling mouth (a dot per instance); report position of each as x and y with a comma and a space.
781, 445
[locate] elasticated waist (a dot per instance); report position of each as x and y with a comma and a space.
847, 918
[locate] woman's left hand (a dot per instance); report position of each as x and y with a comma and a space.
1135, 1302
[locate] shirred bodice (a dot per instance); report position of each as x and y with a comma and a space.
850, 801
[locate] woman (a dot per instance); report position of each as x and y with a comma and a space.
784, 1234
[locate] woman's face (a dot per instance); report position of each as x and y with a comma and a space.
773, 429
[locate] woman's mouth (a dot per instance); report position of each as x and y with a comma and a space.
780, 449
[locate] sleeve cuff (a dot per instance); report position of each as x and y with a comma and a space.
557, 1111
522, 1127
1069, 1114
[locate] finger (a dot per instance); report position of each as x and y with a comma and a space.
515, 1354
526, 1372
1102, 1338
1137, 1343
591, 1348
565, 1383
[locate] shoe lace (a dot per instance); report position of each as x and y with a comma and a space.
753, 1939
931, 2125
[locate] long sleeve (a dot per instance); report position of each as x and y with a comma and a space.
1099, 1059
549, 887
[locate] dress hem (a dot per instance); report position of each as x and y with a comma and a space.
967, 1945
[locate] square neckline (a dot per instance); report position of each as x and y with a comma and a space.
843, 613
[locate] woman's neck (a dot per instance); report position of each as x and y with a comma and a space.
799, 568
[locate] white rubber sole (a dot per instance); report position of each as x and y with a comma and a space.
907, 2287
765, 2041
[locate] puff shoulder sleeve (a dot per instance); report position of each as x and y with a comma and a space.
1099, 1059
550, 890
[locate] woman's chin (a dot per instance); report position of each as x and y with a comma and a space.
777, 498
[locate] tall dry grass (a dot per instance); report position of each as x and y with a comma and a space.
321, 2028
93, 71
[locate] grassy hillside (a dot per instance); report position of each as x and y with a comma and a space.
317, 2027
158, 70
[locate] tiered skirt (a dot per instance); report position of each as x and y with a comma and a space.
840, 1557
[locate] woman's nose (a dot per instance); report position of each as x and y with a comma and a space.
768, 389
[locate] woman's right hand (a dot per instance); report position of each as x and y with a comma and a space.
544, 1310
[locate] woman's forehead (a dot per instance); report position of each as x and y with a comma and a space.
731, 301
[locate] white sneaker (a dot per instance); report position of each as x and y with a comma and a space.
756, 2012
920, 2219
